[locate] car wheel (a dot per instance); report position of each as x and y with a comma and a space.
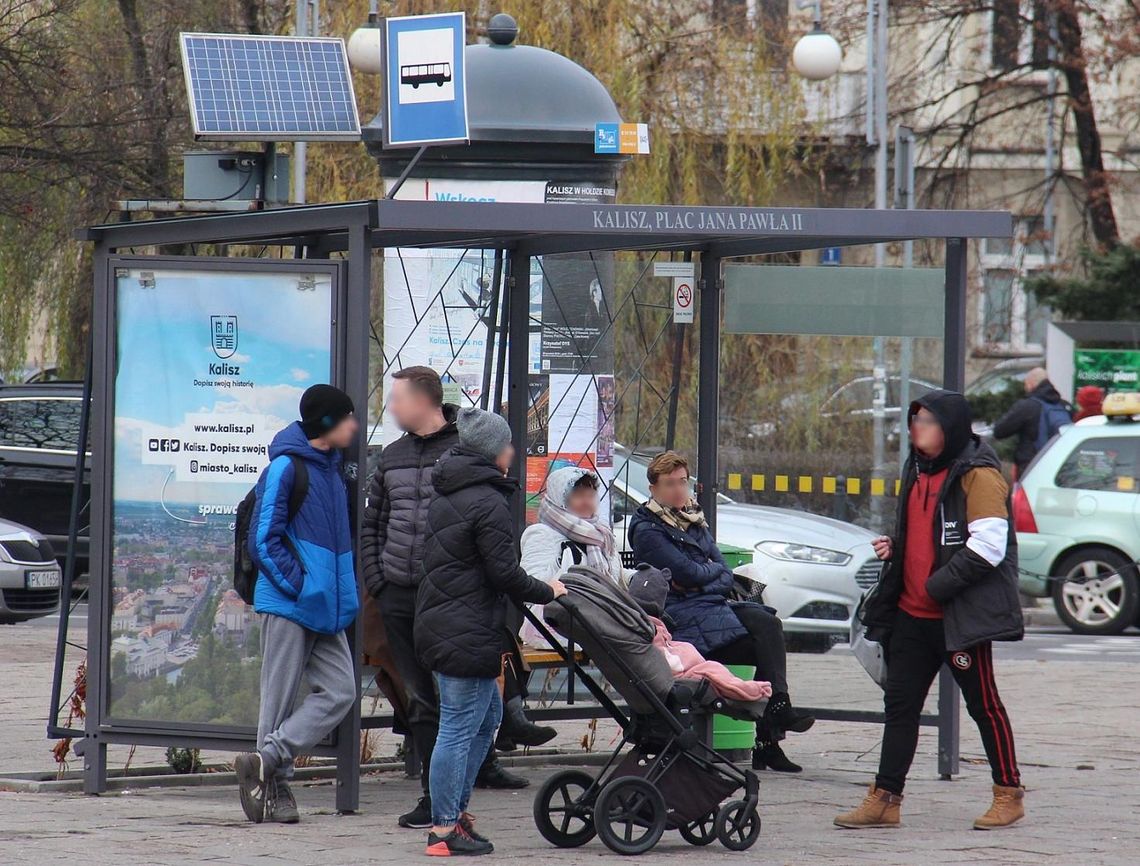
1096, 591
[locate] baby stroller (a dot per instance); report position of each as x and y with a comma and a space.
663, 775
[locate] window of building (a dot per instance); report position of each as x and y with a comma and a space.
1011, 320
1019, 34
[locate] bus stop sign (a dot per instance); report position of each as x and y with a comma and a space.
425, 81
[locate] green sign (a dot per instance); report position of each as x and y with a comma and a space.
844, 301
1111, 369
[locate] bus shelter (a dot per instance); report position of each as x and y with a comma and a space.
332, 261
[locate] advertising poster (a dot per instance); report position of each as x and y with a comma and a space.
1111, 369
437, 311
211, 364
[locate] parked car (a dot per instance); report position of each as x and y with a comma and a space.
1077, 514
997, 389
39, 432
815, 567
30, 577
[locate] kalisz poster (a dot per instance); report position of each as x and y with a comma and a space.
211, 363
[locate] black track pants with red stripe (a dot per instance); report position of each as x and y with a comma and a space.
916, 653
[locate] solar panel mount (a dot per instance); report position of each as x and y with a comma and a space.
269, 88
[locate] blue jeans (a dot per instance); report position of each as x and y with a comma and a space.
470, 710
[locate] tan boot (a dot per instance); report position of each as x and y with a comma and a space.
1007, 808
879, 809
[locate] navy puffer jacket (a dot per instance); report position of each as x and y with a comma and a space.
700, 607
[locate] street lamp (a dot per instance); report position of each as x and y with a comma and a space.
364, 44
817, 55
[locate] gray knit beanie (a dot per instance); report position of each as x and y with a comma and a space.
485, 433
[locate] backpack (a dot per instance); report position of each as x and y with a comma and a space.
245, 570
1052, 418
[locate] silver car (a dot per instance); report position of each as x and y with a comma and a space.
30, 577
815, 568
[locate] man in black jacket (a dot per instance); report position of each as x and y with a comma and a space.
471, 567
1024, 420
395, 517
949, 591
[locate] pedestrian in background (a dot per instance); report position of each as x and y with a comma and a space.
306, 593
1034, 419
949, 591
1090, 402
470, 569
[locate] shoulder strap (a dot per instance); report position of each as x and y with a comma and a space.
575, 549
300, 485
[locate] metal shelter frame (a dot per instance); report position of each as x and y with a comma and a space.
355, 229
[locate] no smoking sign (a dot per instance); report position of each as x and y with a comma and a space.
682, 300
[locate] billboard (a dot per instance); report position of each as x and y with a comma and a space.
211, 362
1111, 369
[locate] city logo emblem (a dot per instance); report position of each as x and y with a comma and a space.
962, 661
224, 335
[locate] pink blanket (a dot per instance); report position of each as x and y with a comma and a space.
686, 662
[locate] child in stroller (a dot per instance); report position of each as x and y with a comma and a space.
663, 774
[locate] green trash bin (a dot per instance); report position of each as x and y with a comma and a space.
734, 737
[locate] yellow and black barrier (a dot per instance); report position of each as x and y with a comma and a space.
828, 484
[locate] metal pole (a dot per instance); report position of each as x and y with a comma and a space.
953, 378
99, 575
489, 321
406, 172
53, 729
307, 24
504, 336
904, 198
1051, 138
354, 301
877, 64
675, 385
708, 386
518, 372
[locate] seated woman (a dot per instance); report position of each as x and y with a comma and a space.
670, 531
569, 532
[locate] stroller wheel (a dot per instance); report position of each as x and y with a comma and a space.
630, 815
700, 832
562, 813
736, 830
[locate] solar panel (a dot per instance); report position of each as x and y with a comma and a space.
269, 88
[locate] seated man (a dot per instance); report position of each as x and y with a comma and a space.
670, 532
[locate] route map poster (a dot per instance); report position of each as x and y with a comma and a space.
211, 364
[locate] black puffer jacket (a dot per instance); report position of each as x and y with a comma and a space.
979, 600
1023, 421
392, 541
470, 566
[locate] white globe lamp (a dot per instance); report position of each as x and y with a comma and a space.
817, 55
364, 49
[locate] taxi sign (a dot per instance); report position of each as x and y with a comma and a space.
1121, 403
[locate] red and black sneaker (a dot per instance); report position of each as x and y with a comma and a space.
467, 822
457, 843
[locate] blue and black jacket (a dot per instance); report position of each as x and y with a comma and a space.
305, 565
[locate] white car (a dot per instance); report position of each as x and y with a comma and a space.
815, 568
29, 574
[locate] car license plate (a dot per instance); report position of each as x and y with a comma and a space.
42, 580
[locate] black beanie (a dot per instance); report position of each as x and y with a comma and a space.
322, 408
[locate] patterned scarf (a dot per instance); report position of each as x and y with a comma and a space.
679, 518
594, 534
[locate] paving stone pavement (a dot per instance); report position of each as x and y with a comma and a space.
1074, 723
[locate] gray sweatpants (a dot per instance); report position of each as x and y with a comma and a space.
290, 652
